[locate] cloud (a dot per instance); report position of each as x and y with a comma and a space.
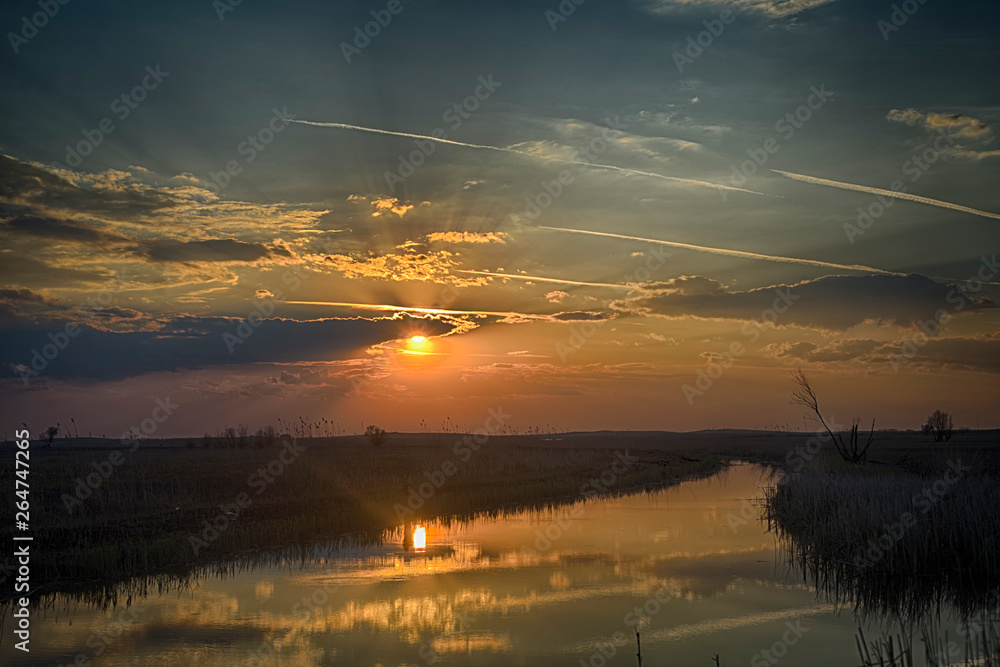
556, 296
467, 237
681, 285
390, 204
905, 196
537, 150
62, 230
981, 353
724, 251
435, 266
831, 302
579, 316
213, 250
772, 8
196, 342
956, 124
30, 272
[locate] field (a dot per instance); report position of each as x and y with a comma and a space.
105, 512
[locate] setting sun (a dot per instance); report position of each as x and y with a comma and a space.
418, 339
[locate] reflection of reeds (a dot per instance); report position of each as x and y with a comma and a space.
141, 516
878, 539
896, 545
980, 646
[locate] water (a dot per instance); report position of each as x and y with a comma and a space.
690, 565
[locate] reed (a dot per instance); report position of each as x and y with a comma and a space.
139, 520
889, 540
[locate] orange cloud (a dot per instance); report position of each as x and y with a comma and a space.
467, 237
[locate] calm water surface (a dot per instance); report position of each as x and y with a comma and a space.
535, 588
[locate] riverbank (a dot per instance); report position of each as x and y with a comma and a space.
104, 514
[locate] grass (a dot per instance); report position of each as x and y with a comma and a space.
895, 539
141, 518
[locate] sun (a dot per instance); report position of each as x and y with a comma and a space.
417, 339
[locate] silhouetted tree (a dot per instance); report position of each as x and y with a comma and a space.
851, 450
50, 434
376, 436
940, 426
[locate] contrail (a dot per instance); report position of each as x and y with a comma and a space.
887, 193
558, 281
731, 253
688, 181
425, 311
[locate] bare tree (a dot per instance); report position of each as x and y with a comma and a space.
851, 450
940, 426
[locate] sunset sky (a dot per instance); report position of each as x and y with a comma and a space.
169, 170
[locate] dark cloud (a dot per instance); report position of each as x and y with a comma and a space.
579, 316
62, 230
213, 250
980, 353
195, 342
22, 294
35, 185
832, 302
23, 270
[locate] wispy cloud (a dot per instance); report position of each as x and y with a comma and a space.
531, 154
541, 279
726, 252
905, 196
773, 8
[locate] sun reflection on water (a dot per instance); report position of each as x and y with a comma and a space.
419, 537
